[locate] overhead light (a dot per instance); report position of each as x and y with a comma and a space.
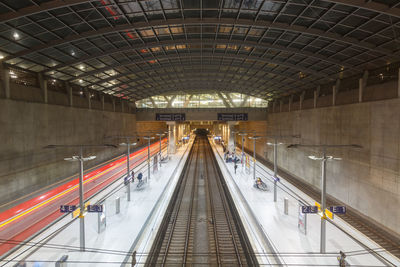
16, 35
13, 75
1, 57
73, 53
80, 81
82, 67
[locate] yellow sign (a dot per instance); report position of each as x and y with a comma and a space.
327, 212
76, 212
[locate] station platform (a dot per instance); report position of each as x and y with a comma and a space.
122, 233
291, 245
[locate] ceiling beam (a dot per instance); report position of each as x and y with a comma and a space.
197, 73
194, 82
369, 5
189, 87
200, 41
213, 56
54, 4
226, 103
196, 21
283, 81
189, 65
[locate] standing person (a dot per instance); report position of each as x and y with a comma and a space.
133, 175
235, 166
342, 261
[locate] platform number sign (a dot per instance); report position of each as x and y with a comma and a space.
338, 209
67, 208
95, 208
309, 209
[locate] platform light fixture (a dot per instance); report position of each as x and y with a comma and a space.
81, 159
323, 160
128, 145
275, 144
243, 135
254, 138
16, 35
160, 135
148, 138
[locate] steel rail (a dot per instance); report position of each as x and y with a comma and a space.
223, 201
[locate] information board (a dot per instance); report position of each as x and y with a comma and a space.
170, 116
232, 117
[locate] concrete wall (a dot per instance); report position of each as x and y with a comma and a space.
260, 127
367, 179
143, 127
26, 127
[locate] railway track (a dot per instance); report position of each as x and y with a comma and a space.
201, 226
376, 233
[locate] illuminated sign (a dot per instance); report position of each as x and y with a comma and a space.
170, 117
232, 117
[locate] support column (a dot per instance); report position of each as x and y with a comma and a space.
398, 85
43, 86
102, 102
231, 140
171, 137
316, 95
333, 95
273, 106
113, 103
302, 100
89, 99
122, 106
290, 102
281, 106
335, 91
69, 92
5, 77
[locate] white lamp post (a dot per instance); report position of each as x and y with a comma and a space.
160, 135
81, 159
254, 138
128, 153
243, 138
148, 138
275, 144
323, 159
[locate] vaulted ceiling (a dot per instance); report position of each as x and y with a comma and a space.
136, 49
